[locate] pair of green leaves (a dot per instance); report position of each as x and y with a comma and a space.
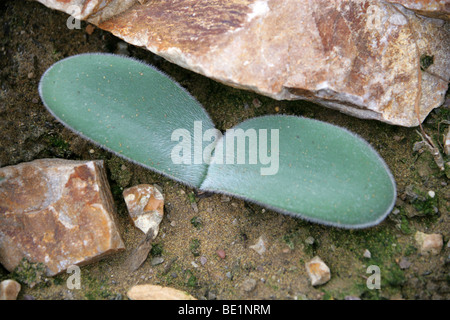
298, 166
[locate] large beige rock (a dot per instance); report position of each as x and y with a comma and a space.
361, 57
57, 212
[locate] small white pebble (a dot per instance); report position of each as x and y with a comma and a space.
367, 254
431, 193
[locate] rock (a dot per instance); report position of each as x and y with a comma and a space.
310, 240
429, 243
153, 292
9, 290
367, 254
430, 8
140, 253
259, 246
221, 253
361, 57
145, 205
56, 212
248, 285
157, 260
318, 271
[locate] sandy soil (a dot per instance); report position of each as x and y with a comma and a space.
33, 37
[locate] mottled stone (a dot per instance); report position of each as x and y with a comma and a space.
153, 292
56, 212
145, 205
429, 243
431, 8
318, 271
259, 246
361, 57
9, 290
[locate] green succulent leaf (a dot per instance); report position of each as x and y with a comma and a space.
127, 107
323, 173
298, 166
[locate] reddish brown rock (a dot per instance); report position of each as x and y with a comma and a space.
361, 57
57, 212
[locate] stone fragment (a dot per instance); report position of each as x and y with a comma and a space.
431, 8
310, 240
153, 292
429, 243
248, 285
56, 212
9, 290
367, 254
157, 260
259, 246
140, 253
145, 205
361, 57
318, 271
221, 253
